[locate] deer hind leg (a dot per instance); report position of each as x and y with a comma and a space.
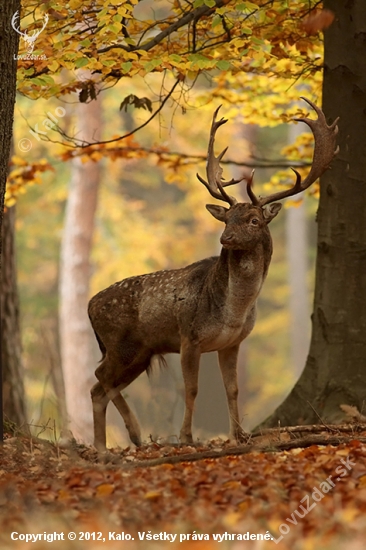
99, 402
227, 361
113, 379
190, 360
129, 418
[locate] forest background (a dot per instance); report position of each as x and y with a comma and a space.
254, 58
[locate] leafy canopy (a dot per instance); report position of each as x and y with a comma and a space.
255, 57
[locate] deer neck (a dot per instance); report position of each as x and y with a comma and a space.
242, 272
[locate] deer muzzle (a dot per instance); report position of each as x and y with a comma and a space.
227, 240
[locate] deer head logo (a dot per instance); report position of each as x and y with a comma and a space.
29, 39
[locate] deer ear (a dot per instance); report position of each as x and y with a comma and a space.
270, 211
218, 212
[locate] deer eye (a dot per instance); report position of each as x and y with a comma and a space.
254, 221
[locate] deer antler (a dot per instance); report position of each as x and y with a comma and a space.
324, 151
215, 184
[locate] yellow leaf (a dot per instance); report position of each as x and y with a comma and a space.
105, 489
362, 482
349, 514
152, 495
233, 484
243, 506
18, 160
232, 519
54, 65
342, 452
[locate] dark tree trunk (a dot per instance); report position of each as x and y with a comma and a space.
9, 41
13, 386
335, 369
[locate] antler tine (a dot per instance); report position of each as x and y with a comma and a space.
324, 151
254, 200
214, 184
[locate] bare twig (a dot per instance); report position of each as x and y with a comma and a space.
320, 418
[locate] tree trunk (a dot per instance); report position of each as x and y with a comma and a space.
296, 245
9, 41
75, 271
13, 385
335, 369
296, 249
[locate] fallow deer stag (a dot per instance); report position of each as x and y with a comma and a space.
207, 306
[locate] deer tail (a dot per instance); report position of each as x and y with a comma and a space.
160, 360
102, 347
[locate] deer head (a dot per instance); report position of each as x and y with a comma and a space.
28, 39
244, 221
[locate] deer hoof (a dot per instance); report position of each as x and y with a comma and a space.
100, 447
136, 440
186, 439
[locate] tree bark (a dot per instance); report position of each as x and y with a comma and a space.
335, 369
75, 331
11, 349
9, 42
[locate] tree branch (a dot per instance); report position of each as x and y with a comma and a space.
185, 20
233, 451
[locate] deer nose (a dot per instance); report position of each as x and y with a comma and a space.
227, 238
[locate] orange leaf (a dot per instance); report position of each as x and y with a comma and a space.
318, 21
105, 489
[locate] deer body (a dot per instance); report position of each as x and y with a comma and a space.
207, 306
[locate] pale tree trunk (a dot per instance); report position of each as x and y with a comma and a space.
334, 373
76, 338
296, 249
11, 350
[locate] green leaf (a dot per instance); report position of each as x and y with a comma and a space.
82, 62
108, 62
85, 42
175, 57
210, 3
39, 80
151, 65
126, 66
223, 65
47, 79
216, 21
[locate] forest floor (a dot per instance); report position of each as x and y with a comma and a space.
298, 488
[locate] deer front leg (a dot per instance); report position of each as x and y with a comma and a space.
190, 360
228, 360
